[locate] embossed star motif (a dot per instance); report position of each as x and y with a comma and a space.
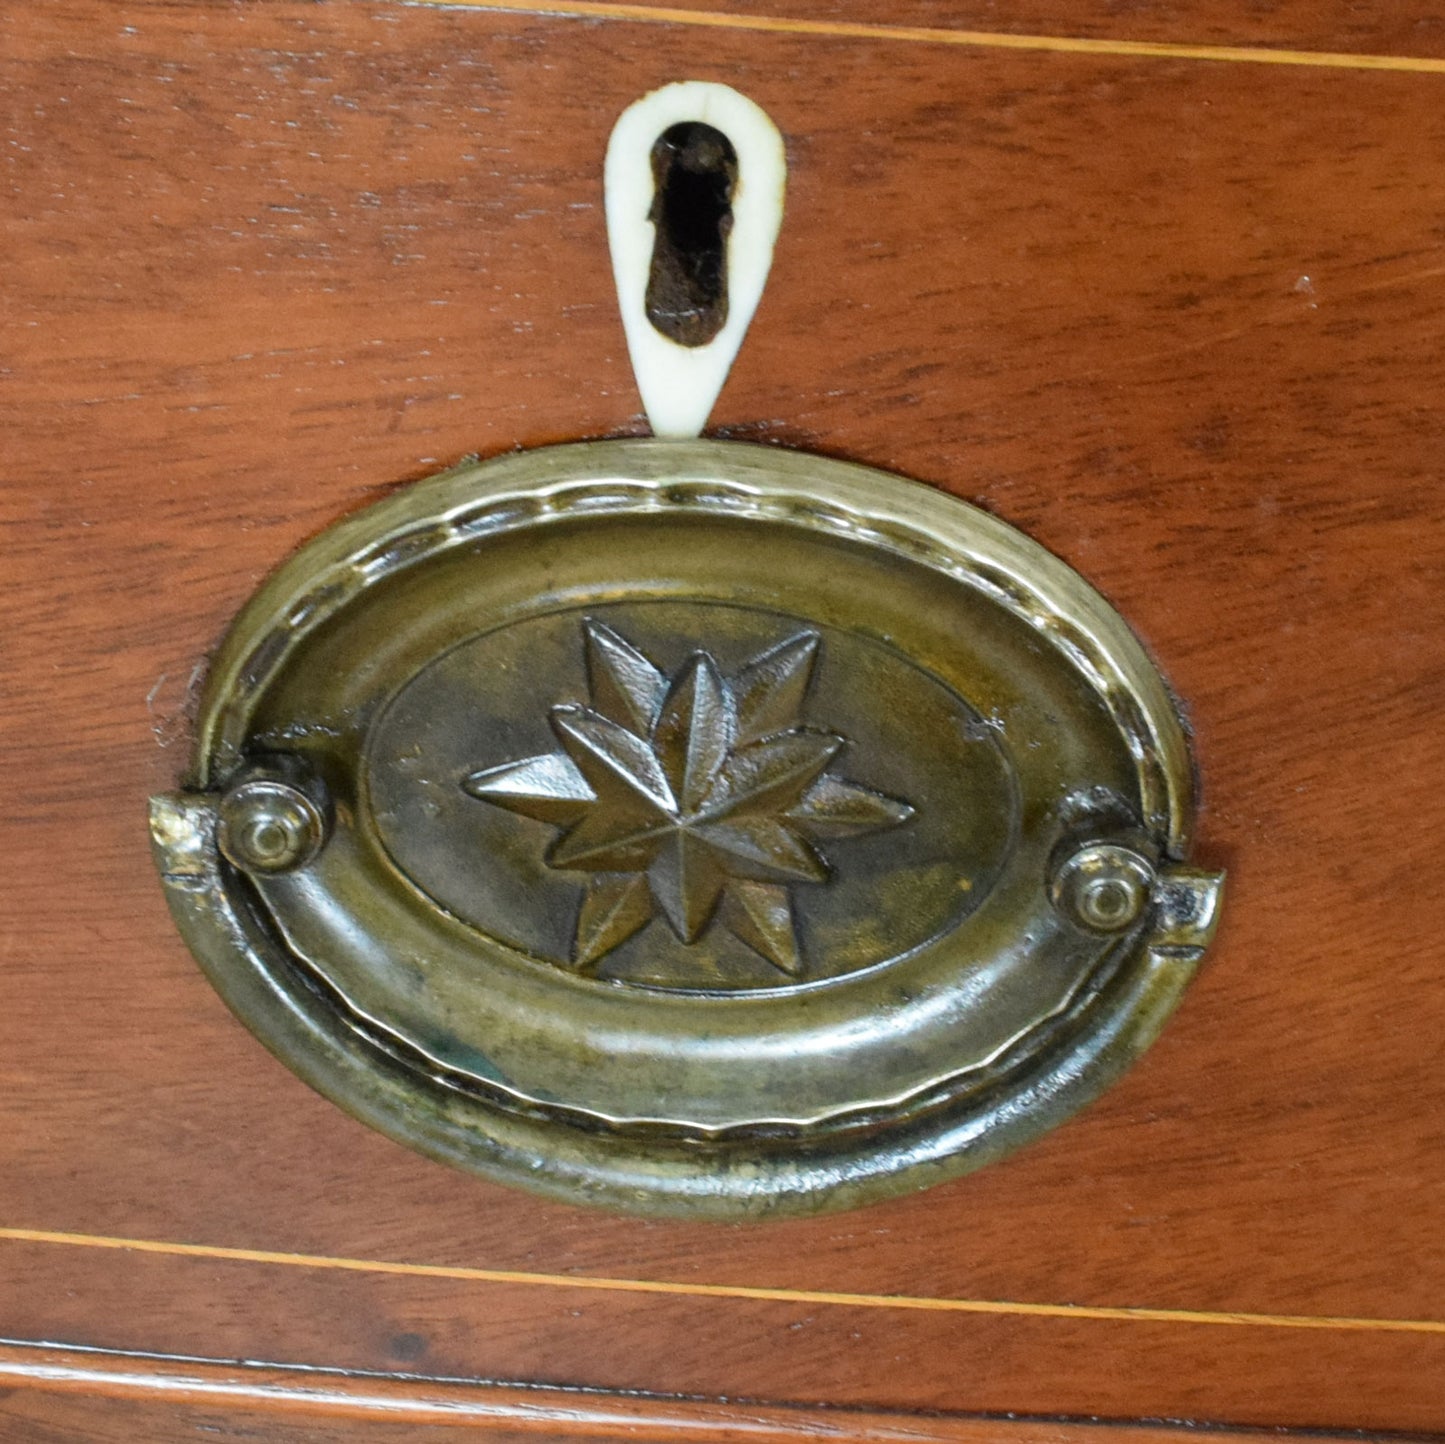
698, 798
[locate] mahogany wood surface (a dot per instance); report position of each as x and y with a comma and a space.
51, 1394
1397, 36
1179, 319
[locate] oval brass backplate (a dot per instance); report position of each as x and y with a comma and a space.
689, 828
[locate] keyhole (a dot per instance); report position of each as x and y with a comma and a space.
694, 173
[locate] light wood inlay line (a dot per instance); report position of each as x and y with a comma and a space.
820, 1297
937, 35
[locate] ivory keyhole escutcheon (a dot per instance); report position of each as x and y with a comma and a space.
694, 183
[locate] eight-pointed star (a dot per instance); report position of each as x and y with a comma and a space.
695, 796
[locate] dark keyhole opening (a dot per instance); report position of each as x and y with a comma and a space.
694, 172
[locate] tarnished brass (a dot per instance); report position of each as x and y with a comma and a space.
690, 828
699, 799
274, 817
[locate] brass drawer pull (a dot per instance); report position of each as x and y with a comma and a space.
690, 827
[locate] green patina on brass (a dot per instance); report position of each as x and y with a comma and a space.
690, 828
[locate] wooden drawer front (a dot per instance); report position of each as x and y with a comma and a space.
1178, 316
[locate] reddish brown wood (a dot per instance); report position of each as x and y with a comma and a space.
1180, 320
105, 1396
1411, 29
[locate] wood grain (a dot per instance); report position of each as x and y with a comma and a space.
1178, 320
1315, 37
59, 1394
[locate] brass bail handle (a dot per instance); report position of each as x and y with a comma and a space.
684, 826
